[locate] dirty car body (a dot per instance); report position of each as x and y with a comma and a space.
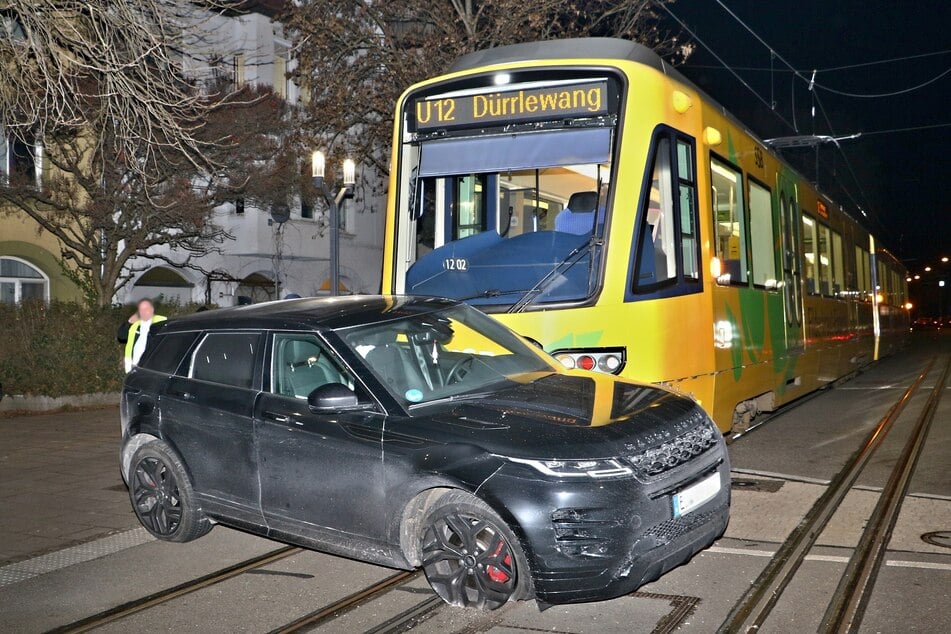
338, 424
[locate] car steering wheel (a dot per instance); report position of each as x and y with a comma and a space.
457, 367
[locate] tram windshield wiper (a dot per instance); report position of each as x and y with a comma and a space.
576, 255
492, 292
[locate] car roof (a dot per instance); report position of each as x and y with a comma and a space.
310, 313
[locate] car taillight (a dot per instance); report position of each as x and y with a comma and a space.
586, 362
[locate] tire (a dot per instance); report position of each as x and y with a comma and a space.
162, 495
470, 556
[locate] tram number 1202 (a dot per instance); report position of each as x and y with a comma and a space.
455, 264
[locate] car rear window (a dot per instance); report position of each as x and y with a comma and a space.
166, 351
226, 358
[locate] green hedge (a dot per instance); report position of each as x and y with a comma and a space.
63, 348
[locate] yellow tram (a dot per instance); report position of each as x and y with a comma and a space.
590, 197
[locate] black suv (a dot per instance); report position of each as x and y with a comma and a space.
419, 432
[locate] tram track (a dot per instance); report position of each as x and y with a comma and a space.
164, 596
401, 622
338, 608
843, 614
846, 608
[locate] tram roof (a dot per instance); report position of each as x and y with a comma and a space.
608, 48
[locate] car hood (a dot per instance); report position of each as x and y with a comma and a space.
560, 415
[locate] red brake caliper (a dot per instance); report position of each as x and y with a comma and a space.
494, 573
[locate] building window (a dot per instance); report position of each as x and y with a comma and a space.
237, 70
21, 281
730, 223
280, 80
21, 158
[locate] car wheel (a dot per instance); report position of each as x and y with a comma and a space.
470, 557
162, 495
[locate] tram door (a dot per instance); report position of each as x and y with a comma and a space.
792, 276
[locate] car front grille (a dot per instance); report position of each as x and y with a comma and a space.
668, 531
675, 452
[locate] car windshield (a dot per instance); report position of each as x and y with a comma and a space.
510, 219
446, 354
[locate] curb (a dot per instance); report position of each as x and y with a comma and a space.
36, 404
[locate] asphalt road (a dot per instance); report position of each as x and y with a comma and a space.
780, 468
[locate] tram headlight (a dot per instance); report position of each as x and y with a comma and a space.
604, 360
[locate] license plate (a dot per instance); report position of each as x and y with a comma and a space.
696, 495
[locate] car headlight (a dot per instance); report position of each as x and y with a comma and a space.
601, 468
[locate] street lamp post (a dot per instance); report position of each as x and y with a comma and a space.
333, 199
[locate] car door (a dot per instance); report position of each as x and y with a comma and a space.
320, 472
207, 415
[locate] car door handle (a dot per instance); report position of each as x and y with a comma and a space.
185, 395
277, 418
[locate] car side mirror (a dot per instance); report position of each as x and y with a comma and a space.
534, 342
333, 397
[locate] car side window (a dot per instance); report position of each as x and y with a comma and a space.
300, 364
164, 352
226, 358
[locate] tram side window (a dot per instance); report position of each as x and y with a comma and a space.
825, 260
688, 214
469, 213
658, 255
761, 233
862, 272
730, 224
838, 270
809, 254
882, 281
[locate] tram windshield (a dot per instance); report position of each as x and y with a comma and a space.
509, 219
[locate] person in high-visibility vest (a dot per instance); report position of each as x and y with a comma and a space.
135, 332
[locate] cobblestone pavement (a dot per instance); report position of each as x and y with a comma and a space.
59, 481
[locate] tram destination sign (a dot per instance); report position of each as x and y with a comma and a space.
587, 99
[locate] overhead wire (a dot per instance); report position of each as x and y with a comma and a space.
908, 129
812, 85
829, 69
881, 95
884, 61
739, 78
812, 81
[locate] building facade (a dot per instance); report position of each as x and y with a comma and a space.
269, 256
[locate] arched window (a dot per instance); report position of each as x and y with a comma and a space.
20, 280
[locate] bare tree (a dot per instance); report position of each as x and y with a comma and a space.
355, 57
134, 154
59, 56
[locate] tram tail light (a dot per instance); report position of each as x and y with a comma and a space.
604, 360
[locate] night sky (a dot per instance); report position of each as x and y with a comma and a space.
903, 177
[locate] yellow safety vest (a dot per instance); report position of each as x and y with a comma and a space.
130, 342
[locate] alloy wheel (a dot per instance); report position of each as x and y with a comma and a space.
157, 499
468, 561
